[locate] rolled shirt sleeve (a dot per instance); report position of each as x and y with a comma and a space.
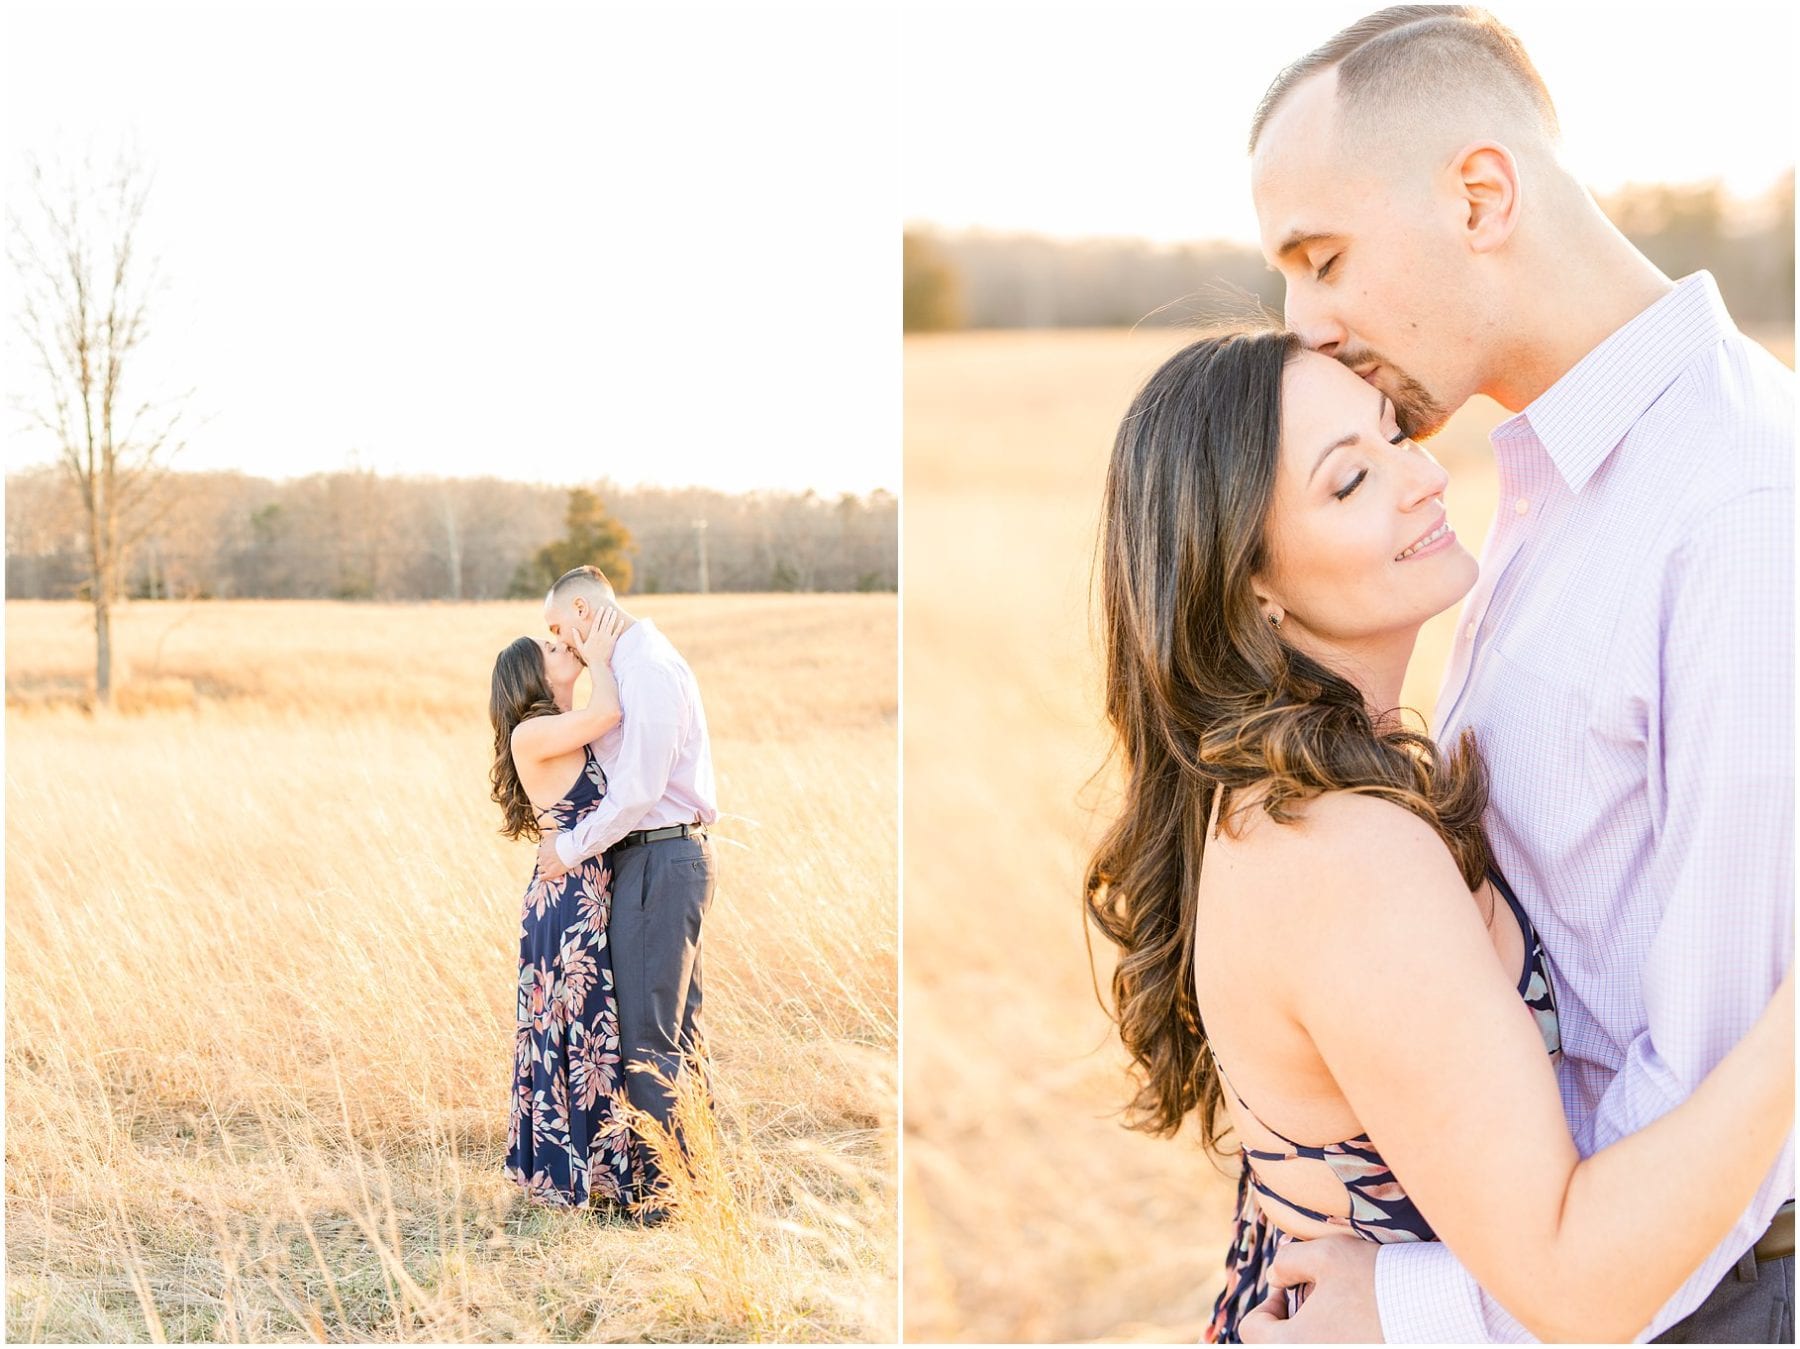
1425, 1296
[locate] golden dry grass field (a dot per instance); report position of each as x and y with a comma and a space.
261, 957
1031, 1213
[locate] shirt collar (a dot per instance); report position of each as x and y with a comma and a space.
639, 631
1582, 417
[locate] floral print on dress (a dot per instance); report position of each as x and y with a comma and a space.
566, 1140
1379, 1209
1254, 1243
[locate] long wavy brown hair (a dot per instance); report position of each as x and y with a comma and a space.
1207, 701
519, 691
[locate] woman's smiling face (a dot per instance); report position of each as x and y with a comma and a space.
1358, 544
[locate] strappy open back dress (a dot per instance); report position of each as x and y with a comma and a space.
1379, 1209
567, 1141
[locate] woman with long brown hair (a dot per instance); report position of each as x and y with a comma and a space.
567, 1144
1316, 951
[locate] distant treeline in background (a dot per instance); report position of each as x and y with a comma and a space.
980, 279
356, 534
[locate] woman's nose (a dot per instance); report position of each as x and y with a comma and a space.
1428, 479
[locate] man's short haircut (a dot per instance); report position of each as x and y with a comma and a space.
588, 581
1405, 52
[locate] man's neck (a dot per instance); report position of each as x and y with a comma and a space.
631, 625
1593, 283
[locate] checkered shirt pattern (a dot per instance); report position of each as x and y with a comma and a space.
1626, 662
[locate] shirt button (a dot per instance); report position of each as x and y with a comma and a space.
1521, 505
1469, 633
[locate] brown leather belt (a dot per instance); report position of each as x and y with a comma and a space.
1778, 1242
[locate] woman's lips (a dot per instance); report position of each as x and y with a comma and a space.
1440, 537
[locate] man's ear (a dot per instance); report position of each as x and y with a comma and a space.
1491, 192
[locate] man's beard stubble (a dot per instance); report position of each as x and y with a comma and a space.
1420, 415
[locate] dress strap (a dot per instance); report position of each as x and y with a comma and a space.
1512, 902
1528, 934
1333, 1219
587, 757
1300, 1149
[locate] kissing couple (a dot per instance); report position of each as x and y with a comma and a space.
1502, 1019
618, 794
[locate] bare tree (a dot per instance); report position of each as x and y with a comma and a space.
85, 311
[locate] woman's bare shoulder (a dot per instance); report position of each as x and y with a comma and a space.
1308, 905
1331, 830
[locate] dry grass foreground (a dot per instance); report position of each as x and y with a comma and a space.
261, 953
1030, 1212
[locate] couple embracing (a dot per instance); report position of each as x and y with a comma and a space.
618, 794
1502, 1019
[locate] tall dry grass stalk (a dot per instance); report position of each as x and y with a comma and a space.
262, 944
745, 1220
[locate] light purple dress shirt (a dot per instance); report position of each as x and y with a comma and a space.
1626, 661
658, 759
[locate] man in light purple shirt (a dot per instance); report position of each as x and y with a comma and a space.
652, 821
1626, 659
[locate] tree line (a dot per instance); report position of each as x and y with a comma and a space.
359, 535
107, 518
982, 279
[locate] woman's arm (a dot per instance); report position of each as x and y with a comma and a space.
1425, 1033
541, 738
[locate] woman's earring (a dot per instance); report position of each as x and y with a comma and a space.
1275, 618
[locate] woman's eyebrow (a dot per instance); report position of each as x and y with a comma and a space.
1325, 453
1349, 439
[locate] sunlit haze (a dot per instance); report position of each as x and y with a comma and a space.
1132, 121
555, 244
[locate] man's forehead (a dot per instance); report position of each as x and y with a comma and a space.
1297, 169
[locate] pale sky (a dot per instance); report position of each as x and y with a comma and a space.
656, 243
1131, 121
646, 243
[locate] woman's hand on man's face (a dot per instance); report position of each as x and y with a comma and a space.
603, 634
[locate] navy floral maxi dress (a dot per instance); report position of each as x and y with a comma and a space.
567, 1141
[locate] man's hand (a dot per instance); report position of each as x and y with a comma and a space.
1340, 1301
550, 867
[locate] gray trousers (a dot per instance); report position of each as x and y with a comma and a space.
660, 894
1754, 1304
